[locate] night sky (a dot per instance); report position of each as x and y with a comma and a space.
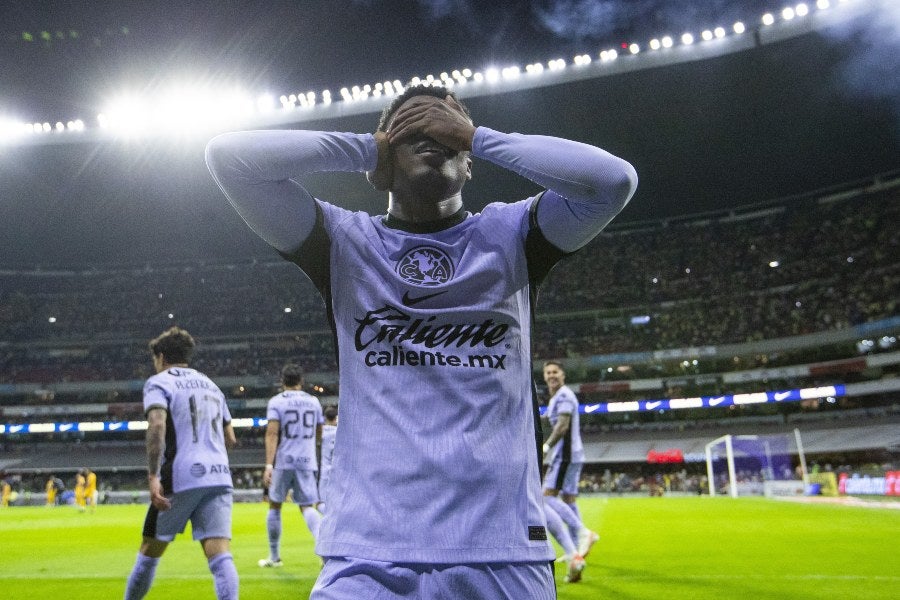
819, 110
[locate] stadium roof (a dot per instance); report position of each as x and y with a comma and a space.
773, 119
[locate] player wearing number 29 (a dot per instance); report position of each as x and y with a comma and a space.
188, 431
293, 432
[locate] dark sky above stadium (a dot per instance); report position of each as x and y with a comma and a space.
775, 121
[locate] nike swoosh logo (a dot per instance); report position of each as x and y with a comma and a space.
779, 396
716, 401
652, 405
408, 301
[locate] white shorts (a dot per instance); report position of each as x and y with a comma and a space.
302, 482
207, 508
352, 578
563, 476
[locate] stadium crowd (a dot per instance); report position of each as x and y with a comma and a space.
778, 272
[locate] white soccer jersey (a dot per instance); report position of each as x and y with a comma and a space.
195, 454
445, 314
328, 434
569, 448
298, 415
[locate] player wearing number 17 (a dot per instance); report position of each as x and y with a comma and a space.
188, 431
293, 432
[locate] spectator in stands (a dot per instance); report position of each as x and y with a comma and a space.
188, 472
293, 433
404, 291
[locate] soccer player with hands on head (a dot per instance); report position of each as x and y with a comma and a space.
436, 485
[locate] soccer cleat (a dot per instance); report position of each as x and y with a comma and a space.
268, 563
586, 540
576, 566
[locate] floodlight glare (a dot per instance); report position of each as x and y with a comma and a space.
739, 28
788, 13
667, 42
719, 32
823, 4
687, 39
634, 48
265, 103
706, 35
768, 19
802, 10
654, 44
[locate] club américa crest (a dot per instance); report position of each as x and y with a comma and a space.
425, 265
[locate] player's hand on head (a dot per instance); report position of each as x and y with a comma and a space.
443, 120
382, 178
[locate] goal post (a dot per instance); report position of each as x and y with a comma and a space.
742, 465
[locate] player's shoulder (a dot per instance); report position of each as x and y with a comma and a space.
338, 217
505, 209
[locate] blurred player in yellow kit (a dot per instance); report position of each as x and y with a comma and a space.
79, 490
53, 487
90, 489
5, 493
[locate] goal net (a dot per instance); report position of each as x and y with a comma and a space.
756, 465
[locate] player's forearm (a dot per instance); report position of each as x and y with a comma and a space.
271, 447
230, 437
155, 445
255, 170
593, 185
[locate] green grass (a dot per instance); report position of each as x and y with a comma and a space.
694, 547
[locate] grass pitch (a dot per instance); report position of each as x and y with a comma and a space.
692, 547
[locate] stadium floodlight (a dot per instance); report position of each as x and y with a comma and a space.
768, 19
687, 39
823, 4
788, 13
719, 32
739, 28
654, 44
634, 48
667, 42
706, 35
801, 9
265, 103
557, 64
492, 75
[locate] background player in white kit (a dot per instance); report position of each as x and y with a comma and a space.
566, 456
326, 455
293, 433
436, 485
189, 430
